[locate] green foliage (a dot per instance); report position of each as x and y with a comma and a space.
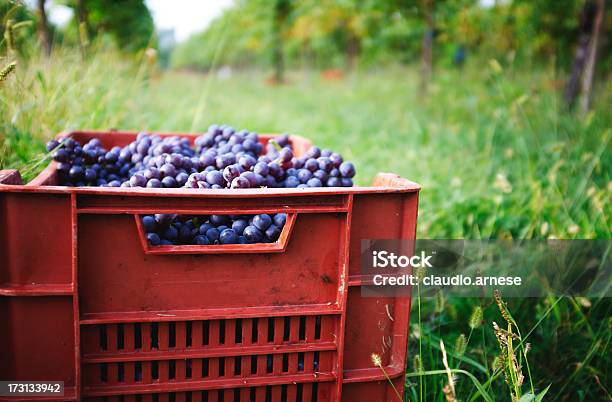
326, 33
129, 22
495, 150
15, 14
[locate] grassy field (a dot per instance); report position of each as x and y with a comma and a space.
496, 152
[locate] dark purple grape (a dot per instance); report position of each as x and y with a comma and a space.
272, 233
207, 159
261, 168
90, 175
63, 167
185, 233
280, 219
239, 225
231, 172
170, 233
213, 235
175, 159
312, 165
181, 179
249, 145
151, 173
274, 169
270, 182
285, 154
242, 240
164, 219
336, 159
219, 220
154, 183
334, 182
225, 160
153, 239
165, 242
201, 240
215, 177
304, 175
111, 156
247, 161
228, 236
347, 169
75, 172
321, 175
253, 235
168, 170
313, 152
325, 164
282, 140
69, 143
260, 180
149, 223
252, 179
298, 163
347, 182
61, 155
262, 221
204, 228
51, 145
138, 180
169, 182
240, 182
292, 182
314, 182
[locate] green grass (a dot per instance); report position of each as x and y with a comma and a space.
496, 152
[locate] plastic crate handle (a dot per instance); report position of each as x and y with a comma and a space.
278, 246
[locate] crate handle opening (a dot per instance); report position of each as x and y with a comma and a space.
278, 246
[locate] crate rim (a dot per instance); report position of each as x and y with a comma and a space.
38, 183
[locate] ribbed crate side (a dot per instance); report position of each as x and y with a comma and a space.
40, 331
380, 216
369, 330
35, 239
115, 275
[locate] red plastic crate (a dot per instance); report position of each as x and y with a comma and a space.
85, 300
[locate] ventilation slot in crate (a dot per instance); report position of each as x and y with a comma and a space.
228, 354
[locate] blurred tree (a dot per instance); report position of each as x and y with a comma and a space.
83, 25
282, 8
427, 51
43, 27
589, 70
129, 22
335, 33
581, 78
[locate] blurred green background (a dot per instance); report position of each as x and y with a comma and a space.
500, 109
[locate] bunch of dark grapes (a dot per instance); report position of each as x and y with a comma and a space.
172, 229
160, 162
222, 158
88, 165
240, 167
